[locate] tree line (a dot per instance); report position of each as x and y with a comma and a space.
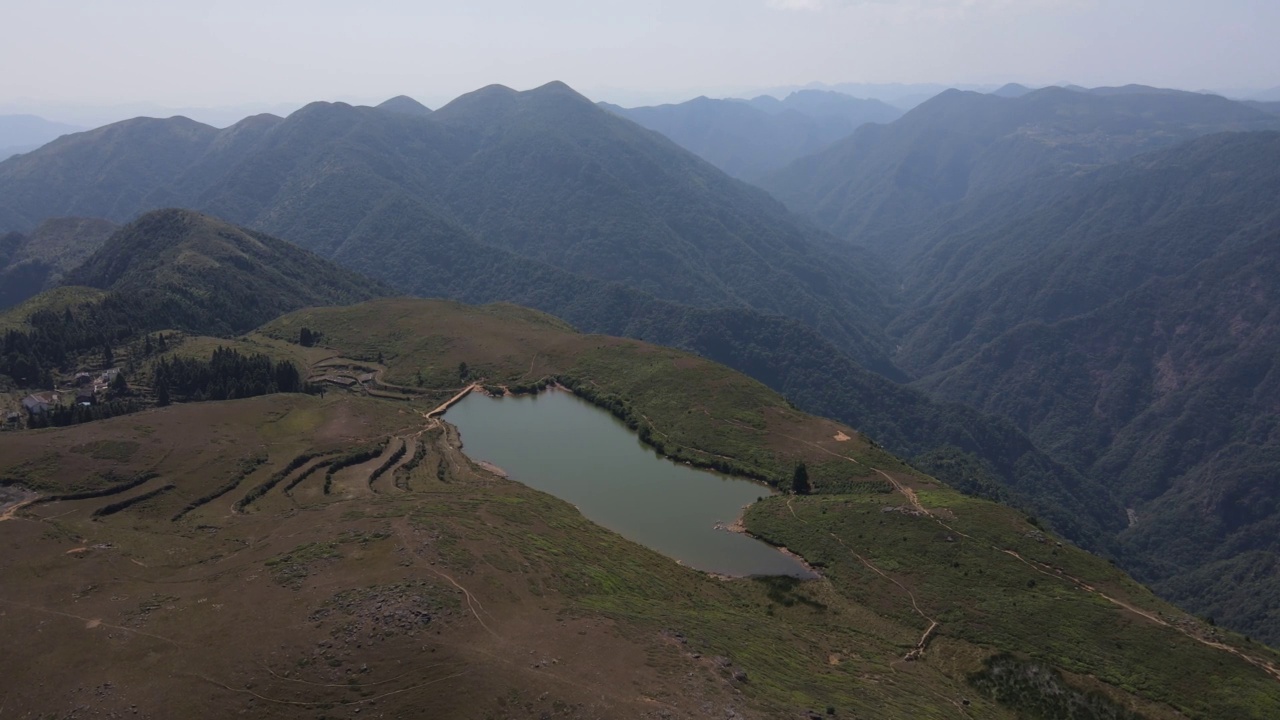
226, 375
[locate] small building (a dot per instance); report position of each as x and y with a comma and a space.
86, 397
13, 418
83, 379
40, 403
108, 376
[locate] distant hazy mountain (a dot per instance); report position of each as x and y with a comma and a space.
1012, 90
33, 262
963, 145
824, 104
750, 138
91, 116
1272, 107
1272, 95
903, 96
406, 105
24, 133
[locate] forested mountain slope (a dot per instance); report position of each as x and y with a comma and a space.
1131, 329
36, 261
543, 174
192, 259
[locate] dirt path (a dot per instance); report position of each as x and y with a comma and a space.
929, 632
12, 511
907, 492
1052, 571
1056, 572
472, 601
90, 623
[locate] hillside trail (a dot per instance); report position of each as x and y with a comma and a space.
1052, 571
1055, 572
909, 494
472, 601
92, 623
919, 649
12, 511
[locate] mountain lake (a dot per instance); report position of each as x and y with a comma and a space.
560, 444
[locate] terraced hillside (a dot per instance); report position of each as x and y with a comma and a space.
342, 553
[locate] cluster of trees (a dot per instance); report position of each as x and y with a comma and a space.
308, 337
64, 415
226, 375
54, 339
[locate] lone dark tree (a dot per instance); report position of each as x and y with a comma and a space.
800, 480
119, 386
306, 338
463, 371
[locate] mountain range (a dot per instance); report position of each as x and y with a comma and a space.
541, 181
1057, 298
872, 186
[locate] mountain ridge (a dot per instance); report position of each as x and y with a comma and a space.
962, 145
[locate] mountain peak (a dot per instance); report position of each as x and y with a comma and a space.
405, 105
1012, 90
556, 88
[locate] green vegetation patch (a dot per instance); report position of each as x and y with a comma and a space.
117, 450
380, 612
295, 566
994, 580
1036, 690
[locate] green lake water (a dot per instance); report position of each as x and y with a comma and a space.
560, 444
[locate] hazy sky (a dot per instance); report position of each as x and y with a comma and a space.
179, 53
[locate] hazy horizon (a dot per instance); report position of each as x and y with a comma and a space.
233, 54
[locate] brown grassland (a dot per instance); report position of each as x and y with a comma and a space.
230, 563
